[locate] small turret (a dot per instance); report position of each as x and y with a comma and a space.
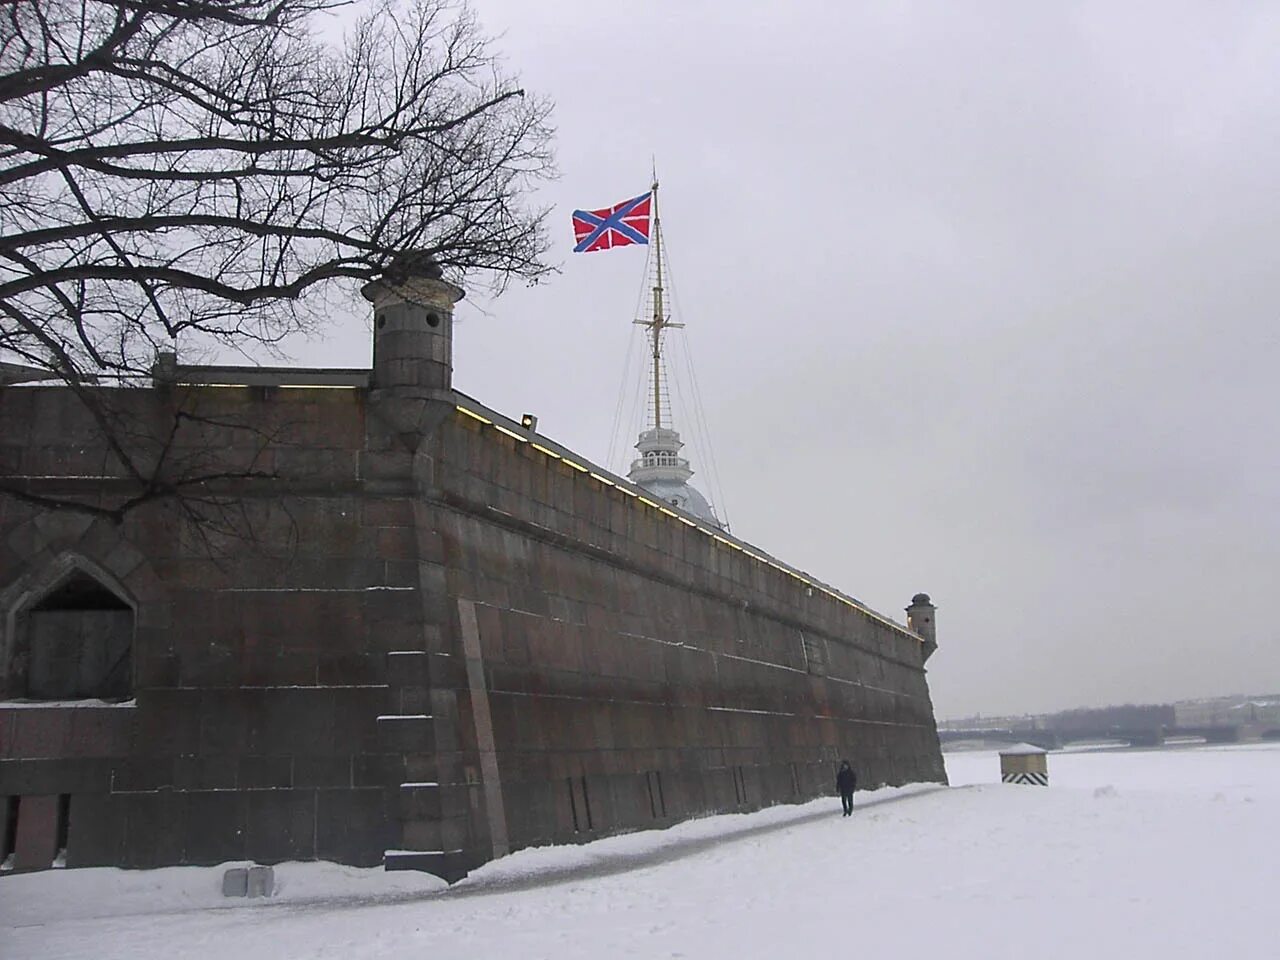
659, 458
412, 326
920, 620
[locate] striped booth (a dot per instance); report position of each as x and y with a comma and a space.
1024, 764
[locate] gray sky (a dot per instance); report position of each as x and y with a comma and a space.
983, 302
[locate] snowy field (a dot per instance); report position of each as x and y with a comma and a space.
1164, 853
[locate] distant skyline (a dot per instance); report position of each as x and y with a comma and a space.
982, 298
1267, 698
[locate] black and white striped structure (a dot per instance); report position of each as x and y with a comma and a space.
1024, 763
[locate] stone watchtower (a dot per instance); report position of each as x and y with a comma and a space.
410, 397
413, 328
920, 620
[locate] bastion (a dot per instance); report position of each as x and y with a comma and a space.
380, 623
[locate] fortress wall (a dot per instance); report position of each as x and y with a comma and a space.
624, 670
259, 639
637, 667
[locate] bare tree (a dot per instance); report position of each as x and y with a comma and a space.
209, 168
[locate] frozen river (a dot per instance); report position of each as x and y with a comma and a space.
1238, 770
1166, 854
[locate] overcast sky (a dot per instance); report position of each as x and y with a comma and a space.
983, 301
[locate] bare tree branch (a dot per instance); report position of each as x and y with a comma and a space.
207, 169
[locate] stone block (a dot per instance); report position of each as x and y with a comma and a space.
405, 734
448, 671
224, 724
205, 773
413, 699
389, 465
264, 772
392, 607
312, 464
322, 771
382, 770
397, 544
356, 668
297, 721
158, 671
421, 834
261, 882
356, 730
400, 573
432, 579
154, 831
47, 776
420, 802
123, 559
279, 824
235, 882
430, 545
425, 768
142, 775
212, 827
168, 723
352, 826
61, 527
407, 668
211, 664
383, 512
95, 831
38, 733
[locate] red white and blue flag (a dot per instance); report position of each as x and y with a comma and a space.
618, 226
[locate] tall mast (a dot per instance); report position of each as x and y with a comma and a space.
658, 315
657, 322
659, 468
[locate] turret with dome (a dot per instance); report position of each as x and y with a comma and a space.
663, 472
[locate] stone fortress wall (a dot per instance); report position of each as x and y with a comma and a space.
420, 634
639, 670
257, 658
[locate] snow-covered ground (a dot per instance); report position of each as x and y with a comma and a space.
1162, 853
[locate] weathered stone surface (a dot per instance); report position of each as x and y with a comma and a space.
620, 669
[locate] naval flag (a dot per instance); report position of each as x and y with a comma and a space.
618, 226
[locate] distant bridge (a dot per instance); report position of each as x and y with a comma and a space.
1055, 739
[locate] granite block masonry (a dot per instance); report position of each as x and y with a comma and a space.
415, 633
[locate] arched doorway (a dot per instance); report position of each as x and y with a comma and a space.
74, 642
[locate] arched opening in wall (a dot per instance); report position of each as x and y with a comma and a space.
75, 643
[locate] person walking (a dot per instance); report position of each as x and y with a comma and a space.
846, 783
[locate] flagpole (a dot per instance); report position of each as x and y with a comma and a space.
658, 315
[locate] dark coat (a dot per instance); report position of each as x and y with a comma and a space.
846, 782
